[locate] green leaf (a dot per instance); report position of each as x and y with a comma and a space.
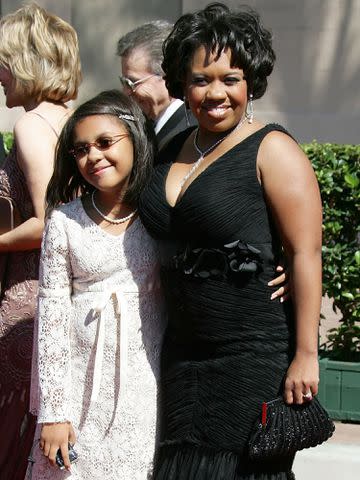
352, 180
348, 295
357, 257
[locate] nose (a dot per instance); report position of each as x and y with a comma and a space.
94, 154
215, 91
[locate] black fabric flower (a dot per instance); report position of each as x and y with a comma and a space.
233, 258
243, 257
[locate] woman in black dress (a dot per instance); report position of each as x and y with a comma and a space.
227, 200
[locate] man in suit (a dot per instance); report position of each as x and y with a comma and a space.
141, 56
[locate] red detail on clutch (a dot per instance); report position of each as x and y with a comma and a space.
263, 414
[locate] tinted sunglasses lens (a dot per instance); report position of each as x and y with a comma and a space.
103, 143
79, 151
126, 83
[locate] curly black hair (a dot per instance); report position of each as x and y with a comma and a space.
67, 183
217, 28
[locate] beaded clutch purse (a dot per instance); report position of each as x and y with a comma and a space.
283, 429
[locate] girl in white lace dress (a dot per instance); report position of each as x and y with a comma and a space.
100, 316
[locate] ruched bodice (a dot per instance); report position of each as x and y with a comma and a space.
227, 345
218, 206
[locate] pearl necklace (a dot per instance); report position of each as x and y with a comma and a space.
109, 219
203, 153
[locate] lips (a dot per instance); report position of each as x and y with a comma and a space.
216, 111
99, 170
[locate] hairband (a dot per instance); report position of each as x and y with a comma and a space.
126, 116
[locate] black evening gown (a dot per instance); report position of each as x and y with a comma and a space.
227, 345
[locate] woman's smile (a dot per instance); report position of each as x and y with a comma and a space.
216, 111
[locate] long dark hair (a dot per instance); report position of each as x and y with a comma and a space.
217, 28
67, 183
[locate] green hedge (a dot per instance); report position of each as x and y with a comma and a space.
337, 170
8, 141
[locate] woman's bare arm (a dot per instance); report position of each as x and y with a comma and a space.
292, 193
35, 143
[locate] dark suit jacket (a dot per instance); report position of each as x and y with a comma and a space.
175, 124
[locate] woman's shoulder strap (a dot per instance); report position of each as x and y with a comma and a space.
275, 127
46, 121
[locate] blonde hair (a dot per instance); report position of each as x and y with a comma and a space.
42, 53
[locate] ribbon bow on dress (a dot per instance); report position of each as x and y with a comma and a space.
106, 293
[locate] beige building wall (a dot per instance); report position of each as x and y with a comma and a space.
99, 24
314, 90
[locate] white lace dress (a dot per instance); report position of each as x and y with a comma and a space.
99, 332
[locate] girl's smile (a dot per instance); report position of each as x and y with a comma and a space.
99, 170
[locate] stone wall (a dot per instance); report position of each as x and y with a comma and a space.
314, 90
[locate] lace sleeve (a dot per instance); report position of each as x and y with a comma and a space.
53, 323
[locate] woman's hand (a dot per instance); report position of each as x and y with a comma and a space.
302, 378
55, 436
283, 279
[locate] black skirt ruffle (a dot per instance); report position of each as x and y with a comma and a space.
191, 462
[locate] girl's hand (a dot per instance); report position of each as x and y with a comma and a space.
302, 378
55, 436
283, 279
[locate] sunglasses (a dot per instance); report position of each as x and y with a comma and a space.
102, 144
127, 83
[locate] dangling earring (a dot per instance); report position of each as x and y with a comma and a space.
250, 109
186, 112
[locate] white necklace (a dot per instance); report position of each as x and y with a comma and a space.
109, 219
203, 153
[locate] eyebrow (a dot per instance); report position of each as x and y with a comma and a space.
227, 74
231, 72
236, 72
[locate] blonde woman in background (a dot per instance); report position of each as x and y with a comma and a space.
39, 71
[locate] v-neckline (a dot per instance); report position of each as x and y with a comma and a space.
183, 193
